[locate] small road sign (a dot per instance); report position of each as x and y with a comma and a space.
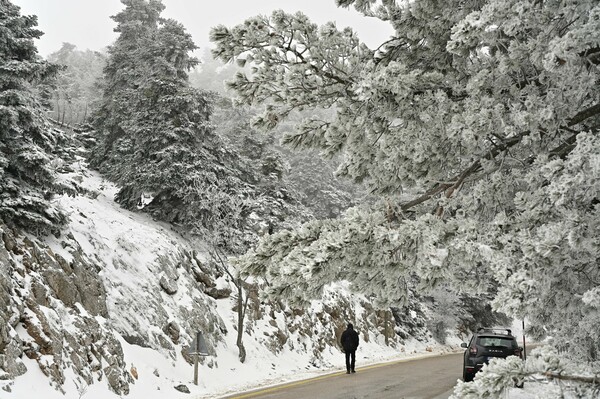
198, 348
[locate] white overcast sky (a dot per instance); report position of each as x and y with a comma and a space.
87, 23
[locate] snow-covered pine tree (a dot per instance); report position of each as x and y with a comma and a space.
156, 141
310, 177
27, 179
154, 137
488, 111
76, 90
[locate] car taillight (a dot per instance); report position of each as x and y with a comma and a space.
517, 352
473, 350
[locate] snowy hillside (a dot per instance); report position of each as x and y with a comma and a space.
109, 309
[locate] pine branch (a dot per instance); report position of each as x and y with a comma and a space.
577, 378
455, 181
585, 114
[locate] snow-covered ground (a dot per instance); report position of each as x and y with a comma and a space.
230, 377
100, 226
127, 245
157, 375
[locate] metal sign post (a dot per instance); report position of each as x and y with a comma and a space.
197, 349
196, 357
524, 347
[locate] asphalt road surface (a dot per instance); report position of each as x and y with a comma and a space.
424, 378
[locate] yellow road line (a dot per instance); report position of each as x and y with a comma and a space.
284, 386
323, 377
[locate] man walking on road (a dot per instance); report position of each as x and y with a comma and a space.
349, 343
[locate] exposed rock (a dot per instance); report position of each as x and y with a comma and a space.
71, 283
202, 277
40, 293
136, 340
63, 287
10, 360
10, 244
67, 292
281, 338
182, 388
218, 293
7, 388
89, 285
165, 343
116, 374
118, 382
6, 292
172, 330
134, 372
168, 285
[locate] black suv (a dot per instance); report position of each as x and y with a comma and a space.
486, 344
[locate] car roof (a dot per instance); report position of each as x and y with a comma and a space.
494, 332
487, 335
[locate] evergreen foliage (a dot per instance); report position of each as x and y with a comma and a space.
212, 74
156, 141
311, 177
574, 379
76, 90
27, 177
273, 203
487, 110
155, 138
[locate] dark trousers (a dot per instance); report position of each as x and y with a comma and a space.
350, 360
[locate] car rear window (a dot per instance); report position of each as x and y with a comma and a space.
496, 341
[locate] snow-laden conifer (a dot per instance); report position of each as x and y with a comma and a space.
154, 136
27, 170
156, 140
477, 124
75, 92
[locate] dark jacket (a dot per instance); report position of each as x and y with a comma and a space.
349, 340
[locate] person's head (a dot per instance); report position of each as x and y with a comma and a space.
350, 326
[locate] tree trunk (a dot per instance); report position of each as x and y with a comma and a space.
58, 108
241, 303
386, 322
241, 310
84, 112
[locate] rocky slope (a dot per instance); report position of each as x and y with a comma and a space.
75, 305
